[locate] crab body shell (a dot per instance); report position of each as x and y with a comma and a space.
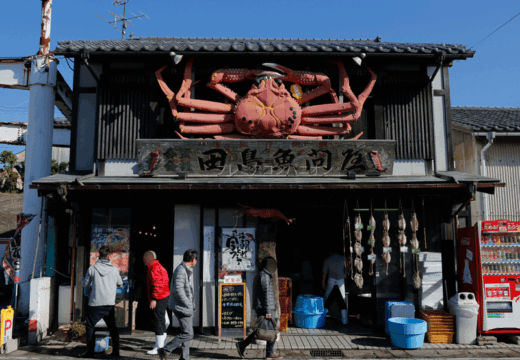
267, 110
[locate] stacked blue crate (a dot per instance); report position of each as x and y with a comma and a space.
403, 309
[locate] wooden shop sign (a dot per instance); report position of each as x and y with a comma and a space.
265, 158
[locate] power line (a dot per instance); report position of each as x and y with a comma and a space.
12, 107
495, 30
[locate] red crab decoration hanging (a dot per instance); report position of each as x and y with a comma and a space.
268, 110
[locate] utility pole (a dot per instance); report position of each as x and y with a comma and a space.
126, 21
38, 153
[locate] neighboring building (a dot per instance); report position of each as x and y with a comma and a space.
132, 186
486, 141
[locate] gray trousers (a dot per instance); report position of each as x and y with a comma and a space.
182, 340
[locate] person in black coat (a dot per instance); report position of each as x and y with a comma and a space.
263, 303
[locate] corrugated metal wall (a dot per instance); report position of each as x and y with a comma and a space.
124, 109
407, 115
503, 162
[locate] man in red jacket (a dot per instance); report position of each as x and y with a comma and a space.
158, 294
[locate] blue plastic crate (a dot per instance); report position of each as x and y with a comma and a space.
309, 304
309, 321
398, 309
407, 333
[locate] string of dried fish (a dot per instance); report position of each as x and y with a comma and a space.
414, 225
401, 223
371, 240
358, 263
386, 239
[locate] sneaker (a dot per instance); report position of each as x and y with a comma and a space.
240, 349
154, 351
274, 356
162, 354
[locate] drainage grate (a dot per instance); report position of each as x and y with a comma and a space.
327, 353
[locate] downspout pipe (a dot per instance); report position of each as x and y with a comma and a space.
490, 136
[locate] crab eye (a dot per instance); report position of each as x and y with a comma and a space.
257, 82
279, 82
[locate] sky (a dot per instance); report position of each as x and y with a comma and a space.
489, 79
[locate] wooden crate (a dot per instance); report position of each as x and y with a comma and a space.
440, 338
441, 325
285, 287
284, 322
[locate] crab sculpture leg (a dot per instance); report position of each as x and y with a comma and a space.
314, 116
222, 122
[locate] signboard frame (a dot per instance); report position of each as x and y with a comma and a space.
244, 306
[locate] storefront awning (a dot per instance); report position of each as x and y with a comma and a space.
441, 180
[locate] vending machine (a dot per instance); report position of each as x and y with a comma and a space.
489, 267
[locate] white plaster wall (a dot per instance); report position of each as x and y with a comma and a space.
40, 307
409, 168
209, 300
121, 168
186, 235
439, 124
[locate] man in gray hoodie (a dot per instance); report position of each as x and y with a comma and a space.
102, 279
182, 304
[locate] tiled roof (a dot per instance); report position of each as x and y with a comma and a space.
236, 45
487, 118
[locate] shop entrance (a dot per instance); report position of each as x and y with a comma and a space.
151, 230
302, 246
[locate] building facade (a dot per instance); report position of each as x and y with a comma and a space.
161, 162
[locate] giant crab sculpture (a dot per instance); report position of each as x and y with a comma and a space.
268, 110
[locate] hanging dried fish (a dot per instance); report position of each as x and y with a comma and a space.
402, 222
414, 242
358, 224
386, 239
358, 264
371, 242
414, 223
386, 223
358, 235
386, 259
358, 279
417, 280
358, 249
402, 238
372, 223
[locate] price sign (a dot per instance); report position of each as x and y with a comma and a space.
232, 307
404, 249
371, 257
387, 249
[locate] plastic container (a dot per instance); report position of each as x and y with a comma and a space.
309, 321
465, 308
407, 333
309, 304
398, 309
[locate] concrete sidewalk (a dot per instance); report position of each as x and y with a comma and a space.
294, 344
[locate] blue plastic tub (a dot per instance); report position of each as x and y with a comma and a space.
309, 321
398, 309
309, 304
407, 333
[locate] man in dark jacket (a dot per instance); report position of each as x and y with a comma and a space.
103, 278
158, 293
182, 304
263, 303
